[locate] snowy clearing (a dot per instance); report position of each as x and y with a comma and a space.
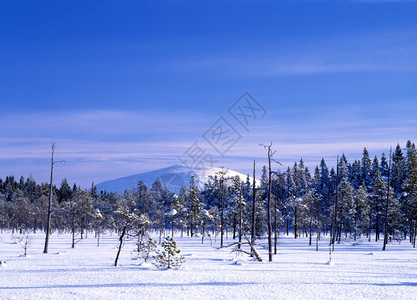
358, 271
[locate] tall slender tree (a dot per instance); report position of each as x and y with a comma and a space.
269, 196
48, 222
387, 204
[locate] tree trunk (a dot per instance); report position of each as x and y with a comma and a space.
386, 205
295, 222
48, 223
377, 222
252, 241
120, 244
275, 225
269, 204
334, 225
221, 211
240, 219
234, 225
73, 230
311, 227
287, 224
202, 233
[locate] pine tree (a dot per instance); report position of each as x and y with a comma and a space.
355, 177
129, 221
378, 194
310, 206
194, 206
383, 168
366, 168
235, 205
289, 198
65, 191
222, 202
346, 203
398, 171
325, 189
142, 198
98, 224
362, 209
156, 210
182, 213
145, 248
169, 257
410, 188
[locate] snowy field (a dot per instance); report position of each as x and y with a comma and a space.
359, 271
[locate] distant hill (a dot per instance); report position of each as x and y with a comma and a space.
174, 177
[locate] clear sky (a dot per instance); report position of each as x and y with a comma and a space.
124, 87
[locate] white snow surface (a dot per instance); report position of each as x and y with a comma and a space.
297, 271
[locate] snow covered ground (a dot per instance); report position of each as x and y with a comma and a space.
360, 271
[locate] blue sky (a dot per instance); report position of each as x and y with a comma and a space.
124, 87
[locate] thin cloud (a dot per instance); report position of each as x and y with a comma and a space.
98, 125
388, 51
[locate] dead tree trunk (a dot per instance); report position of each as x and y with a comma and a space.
252, 240
221, 211
120, 244
240, 217
268, 205
48, 222
275, 224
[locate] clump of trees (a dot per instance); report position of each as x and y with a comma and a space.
361, 198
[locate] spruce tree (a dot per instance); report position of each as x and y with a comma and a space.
410, 188
170, 256
346, 204
194, 206
378, 194
398, 171
366, 168
383, 167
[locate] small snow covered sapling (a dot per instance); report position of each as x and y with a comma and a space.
145, 249
169, 257
25, 242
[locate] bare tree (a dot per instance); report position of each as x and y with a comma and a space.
252, 241
268, 207
25, 241
222, 172
48, 222
238, 249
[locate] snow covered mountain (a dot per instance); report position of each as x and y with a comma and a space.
174, 177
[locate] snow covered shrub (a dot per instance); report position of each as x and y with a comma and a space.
169, 257
25, 241
146, 248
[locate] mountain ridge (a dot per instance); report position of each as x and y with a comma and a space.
175, 177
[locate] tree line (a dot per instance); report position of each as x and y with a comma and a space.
369, 197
